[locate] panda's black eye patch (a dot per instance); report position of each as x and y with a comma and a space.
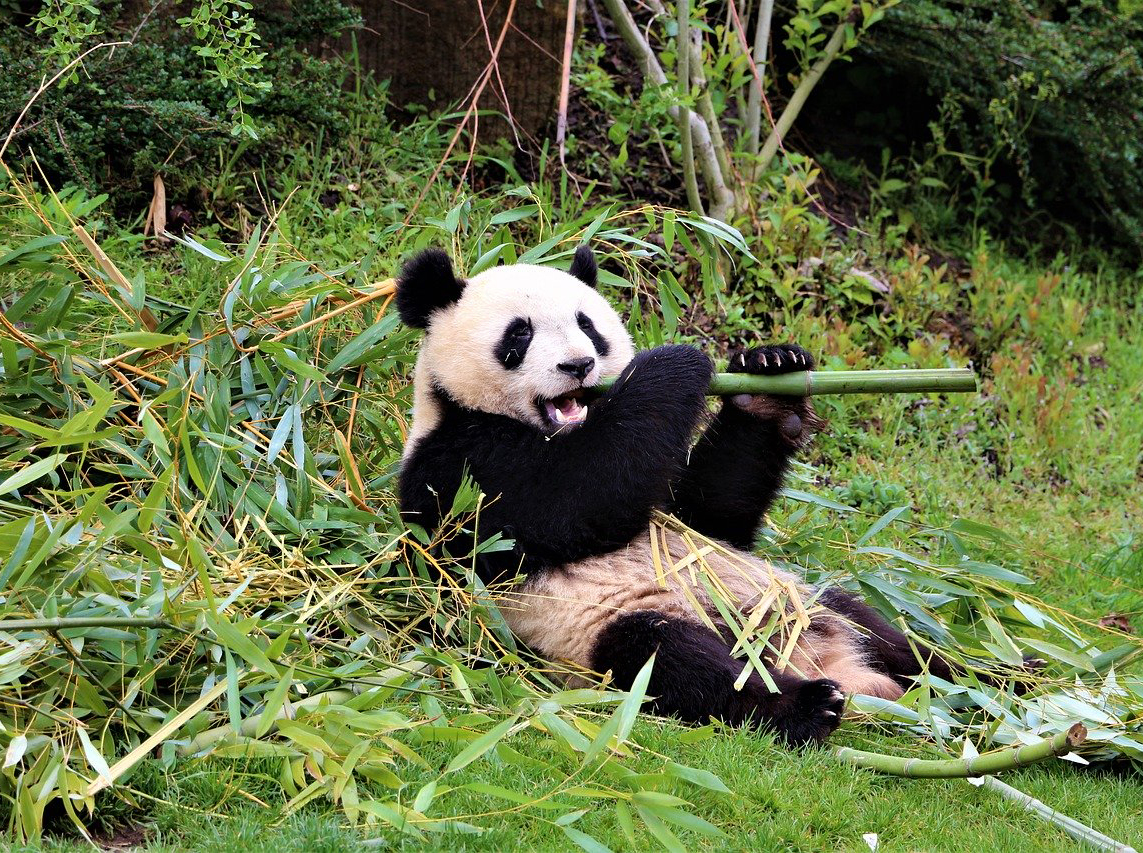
513, 345
597, 340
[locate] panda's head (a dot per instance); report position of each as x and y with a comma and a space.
522, 341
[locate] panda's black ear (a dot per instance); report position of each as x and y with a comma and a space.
583, 266
426, 284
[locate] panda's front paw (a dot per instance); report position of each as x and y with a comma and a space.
794, 417
810, 711
770, 360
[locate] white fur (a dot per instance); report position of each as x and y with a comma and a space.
458, 351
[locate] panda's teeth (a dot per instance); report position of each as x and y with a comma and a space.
566, 410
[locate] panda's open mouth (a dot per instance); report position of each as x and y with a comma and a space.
565, 410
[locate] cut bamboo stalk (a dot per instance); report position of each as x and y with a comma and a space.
979, 765
816, 382
1078, 831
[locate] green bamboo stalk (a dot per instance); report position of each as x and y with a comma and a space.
63, 623
809, 383
956, 768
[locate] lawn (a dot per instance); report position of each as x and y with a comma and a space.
246, 501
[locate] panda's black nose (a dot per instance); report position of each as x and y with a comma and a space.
577, 367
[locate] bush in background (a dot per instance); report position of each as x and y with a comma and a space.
1012, 105
163, 104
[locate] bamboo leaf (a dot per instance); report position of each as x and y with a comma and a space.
585, 841
31, 473
481, 745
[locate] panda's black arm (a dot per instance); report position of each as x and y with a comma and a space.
592, 489
737, 467
579, 493
735, 471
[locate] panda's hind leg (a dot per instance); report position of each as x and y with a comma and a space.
888, 650
694, 674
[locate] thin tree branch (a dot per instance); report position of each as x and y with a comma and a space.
565, 81
754, 102
45, 85
798, 99
683, 68
705, 156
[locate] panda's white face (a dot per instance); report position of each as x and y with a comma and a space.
521, 341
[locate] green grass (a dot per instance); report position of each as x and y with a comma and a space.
1054, 464
805, 801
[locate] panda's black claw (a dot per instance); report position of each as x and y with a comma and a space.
771, 360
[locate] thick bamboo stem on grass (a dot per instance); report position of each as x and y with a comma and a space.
979, 765
1078, 831
810, 383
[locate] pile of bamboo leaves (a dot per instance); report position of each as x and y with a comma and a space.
200, 553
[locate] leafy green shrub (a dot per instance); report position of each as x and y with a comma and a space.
1009, 106
166, 103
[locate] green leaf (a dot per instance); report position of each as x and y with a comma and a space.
274, 703
585, 841
147, 340
514, 215
240, 644
32, 245
881, 523
155, 499
358, 350
31, 473
697, 776
94, 758
481, 745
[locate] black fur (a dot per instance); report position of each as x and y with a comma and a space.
737, 466
597, 340
513, 345
579, 492
584, 267
694, 674
889, 649
426, 284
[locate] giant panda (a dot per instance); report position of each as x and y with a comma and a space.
503, 389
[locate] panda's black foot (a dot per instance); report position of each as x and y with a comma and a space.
770, 360
807, 711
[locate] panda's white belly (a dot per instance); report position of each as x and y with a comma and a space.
560, 613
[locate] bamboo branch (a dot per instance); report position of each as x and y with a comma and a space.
63, 623
979, 765
705, 155
565, 81
754, 102
724, 203
683, 72
810, 383
798, 99
1078, 831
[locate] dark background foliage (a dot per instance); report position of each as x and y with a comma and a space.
1042, 99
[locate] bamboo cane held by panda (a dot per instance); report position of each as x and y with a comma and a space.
816, 382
